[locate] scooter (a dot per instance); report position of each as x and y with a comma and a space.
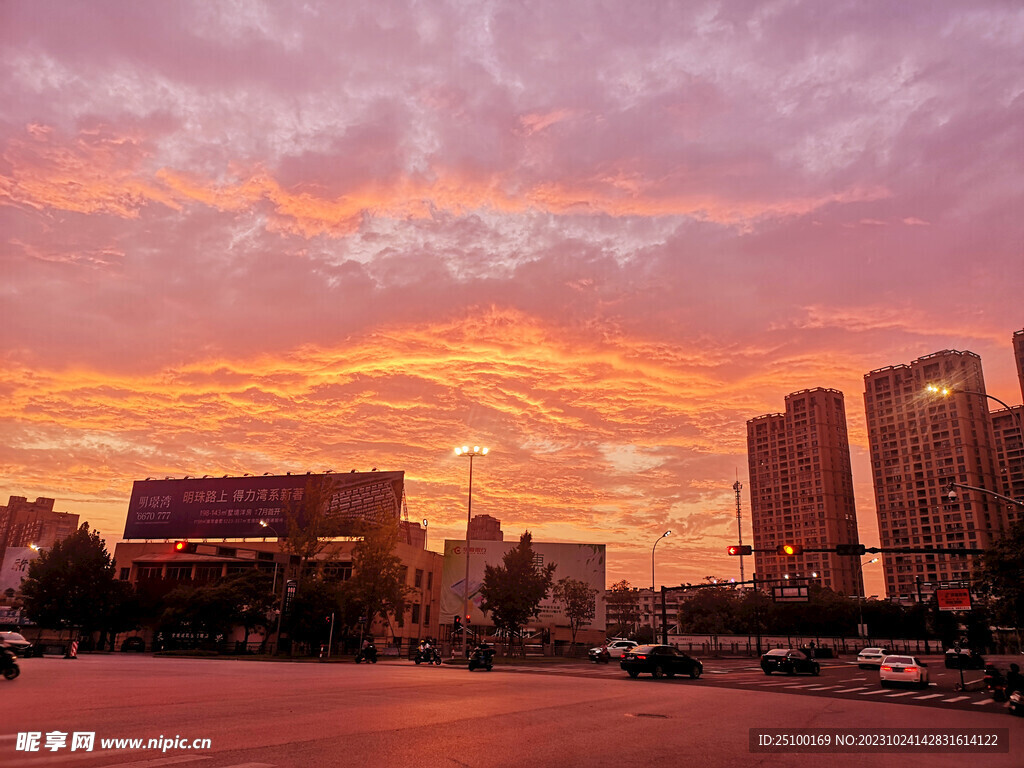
995, 683
428, 655
482, 656
8, 663
1016, 704
367, 654
600, 655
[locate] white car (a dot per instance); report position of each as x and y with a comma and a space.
615, 648
871, 657
903, 669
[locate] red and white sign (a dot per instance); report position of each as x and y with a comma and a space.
953, 599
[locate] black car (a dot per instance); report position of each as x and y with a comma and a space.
790, 661
17, 643
133, 644
660, 661
965, 658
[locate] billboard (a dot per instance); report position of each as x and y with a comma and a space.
583, 562
232, 507
15, 567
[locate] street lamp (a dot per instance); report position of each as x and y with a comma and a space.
471, 453
863, 597
273, 588
666, 533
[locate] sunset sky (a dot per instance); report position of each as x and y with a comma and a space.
596, 237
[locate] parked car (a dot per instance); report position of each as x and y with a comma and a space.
133, 644
871, 657
903, 669
660, 661
16, 643
965, 658
615, 649
790, 661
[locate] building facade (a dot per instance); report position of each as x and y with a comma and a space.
801, 491
919, 443
485, 528
26, 523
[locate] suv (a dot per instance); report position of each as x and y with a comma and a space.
16, 642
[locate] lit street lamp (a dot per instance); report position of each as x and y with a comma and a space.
861, 629
273, 588
466, 451
653, 633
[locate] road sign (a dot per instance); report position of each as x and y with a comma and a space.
953, 599
790, 594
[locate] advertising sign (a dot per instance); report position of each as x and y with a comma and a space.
232, 507
953, 599
796, 594
15, 567
583, 562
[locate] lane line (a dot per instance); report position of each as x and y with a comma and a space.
872, 693
955, 698
851, 690
930, 696
984, 701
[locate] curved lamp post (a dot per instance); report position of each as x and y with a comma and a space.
863, 596
654, 638
472, 453
273, 588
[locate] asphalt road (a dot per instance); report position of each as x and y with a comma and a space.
263, 715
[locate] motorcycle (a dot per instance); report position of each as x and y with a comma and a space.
1016, 704
995, 683
600, 655
8, 663
427, 654
367, 654
482, 656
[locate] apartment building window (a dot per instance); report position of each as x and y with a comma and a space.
418, 580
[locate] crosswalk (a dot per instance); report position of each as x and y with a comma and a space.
753, 677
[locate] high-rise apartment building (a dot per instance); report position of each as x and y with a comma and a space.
920, 442
1007, 426
24, 523
801, 491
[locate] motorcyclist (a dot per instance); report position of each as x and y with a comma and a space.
1014, 680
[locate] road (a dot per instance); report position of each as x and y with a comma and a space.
264, 715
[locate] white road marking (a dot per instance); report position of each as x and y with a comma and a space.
984, 701
955, 698
930, 696
897, 695
851, 690
872, 693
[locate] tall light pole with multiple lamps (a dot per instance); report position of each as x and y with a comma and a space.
472, 453
654, 638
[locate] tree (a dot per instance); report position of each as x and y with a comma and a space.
377, 587
623, 606
999, 577
711, 611
512, 591
579, 602
72, 585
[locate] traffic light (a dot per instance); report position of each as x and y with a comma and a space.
739, 549
468, 620
184, 547
456, 623
851, 549
789, 550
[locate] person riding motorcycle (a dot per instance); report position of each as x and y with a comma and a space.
8, 662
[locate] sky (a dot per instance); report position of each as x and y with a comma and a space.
596, 237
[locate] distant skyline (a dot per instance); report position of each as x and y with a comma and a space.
278, 236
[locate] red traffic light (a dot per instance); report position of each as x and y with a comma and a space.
468, 621
181, 546
790, 550
739, 549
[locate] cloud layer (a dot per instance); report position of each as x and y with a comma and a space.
262, 236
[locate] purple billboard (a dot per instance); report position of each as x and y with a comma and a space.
232, 507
